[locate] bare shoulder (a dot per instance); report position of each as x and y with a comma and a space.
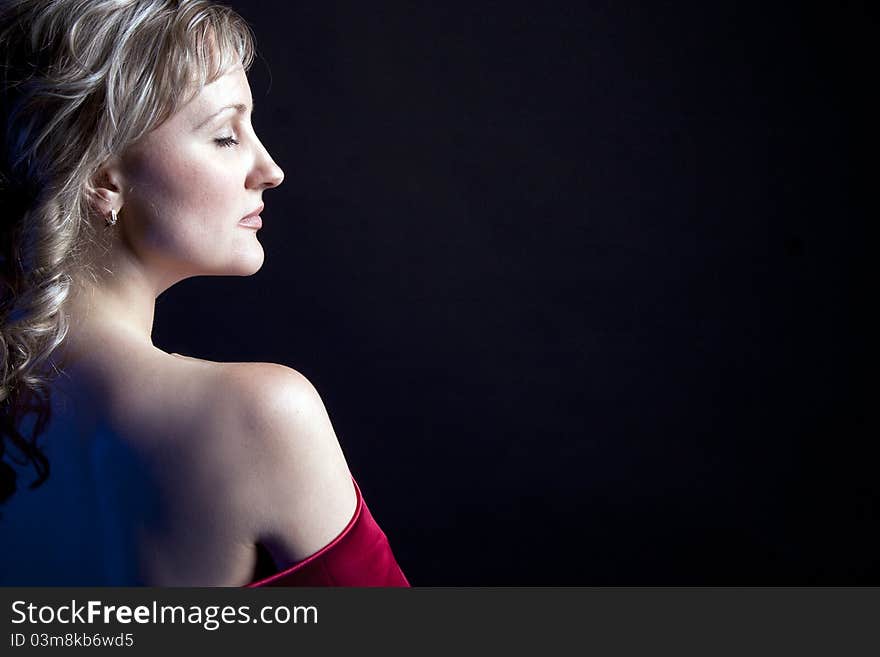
267, 394
271, 407
289, 465
248, 454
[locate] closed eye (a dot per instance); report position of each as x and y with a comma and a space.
226, 142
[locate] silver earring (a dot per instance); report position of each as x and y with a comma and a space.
111, 220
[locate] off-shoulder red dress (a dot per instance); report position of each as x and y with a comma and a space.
359, 556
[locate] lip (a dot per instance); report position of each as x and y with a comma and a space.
252, 219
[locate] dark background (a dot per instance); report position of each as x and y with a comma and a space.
583, 286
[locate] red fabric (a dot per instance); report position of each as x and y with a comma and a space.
359, 556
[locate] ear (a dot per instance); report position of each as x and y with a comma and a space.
104, 190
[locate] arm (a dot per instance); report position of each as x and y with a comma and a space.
292, 477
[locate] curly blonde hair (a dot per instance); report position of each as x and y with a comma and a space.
80, 81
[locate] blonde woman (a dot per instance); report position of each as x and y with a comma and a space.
129, 164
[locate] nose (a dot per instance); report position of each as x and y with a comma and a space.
265, 174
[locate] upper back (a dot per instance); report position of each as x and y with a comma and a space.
168, 471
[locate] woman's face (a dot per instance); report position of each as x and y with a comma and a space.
188, 184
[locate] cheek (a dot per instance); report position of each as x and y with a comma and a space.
181, 183
182, 199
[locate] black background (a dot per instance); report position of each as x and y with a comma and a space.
583, 286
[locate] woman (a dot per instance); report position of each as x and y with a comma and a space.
129, 164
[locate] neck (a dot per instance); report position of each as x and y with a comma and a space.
120, 305
129, 306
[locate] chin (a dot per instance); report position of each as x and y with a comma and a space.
247, 263
252, 268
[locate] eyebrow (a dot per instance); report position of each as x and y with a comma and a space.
241, 108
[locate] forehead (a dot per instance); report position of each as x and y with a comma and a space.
231, 87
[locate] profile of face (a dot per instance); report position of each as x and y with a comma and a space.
186, 186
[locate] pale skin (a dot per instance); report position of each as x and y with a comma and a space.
169, 470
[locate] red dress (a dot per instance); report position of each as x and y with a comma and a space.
359, 556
